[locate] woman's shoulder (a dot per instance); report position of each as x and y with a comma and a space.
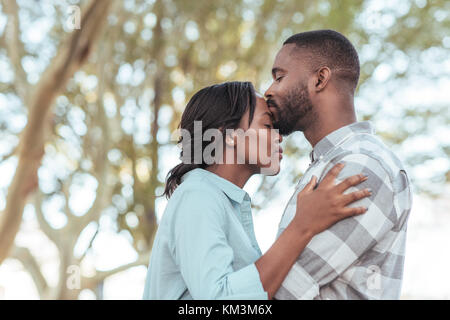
196, 183
197, 195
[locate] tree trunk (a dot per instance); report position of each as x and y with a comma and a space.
71, 56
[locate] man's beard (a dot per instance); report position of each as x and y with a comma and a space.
291, 110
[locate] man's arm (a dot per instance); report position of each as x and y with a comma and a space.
331, 252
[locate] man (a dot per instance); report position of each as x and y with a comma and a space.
315, 76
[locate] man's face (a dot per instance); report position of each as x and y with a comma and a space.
288, 97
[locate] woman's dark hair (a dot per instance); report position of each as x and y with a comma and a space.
220, 106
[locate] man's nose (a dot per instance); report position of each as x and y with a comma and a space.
268, 93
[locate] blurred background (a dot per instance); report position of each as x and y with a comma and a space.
91, 93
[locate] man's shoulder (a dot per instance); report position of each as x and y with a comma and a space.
368, 152
369, 147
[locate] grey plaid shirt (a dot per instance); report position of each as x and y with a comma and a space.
359, 257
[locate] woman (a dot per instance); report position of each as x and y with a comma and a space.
205, 246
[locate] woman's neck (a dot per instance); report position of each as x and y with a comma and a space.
235, 173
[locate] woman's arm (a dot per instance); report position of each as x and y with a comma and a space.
317, 210
200, 245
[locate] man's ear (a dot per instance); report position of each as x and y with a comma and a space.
323, 75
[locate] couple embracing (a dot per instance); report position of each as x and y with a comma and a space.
342, 234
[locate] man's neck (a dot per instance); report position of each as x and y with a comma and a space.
323, 127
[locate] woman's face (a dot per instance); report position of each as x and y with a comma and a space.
258, 144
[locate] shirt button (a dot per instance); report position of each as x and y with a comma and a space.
321, 157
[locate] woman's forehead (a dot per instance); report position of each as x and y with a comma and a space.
261, 105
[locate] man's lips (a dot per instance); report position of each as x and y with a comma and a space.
272, 105
273, 109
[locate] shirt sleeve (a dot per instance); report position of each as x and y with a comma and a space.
331, 252
204, 256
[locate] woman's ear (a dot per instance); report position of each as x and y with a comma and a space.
230, 139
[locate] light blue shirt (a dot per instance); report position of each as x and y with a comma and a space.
205, 246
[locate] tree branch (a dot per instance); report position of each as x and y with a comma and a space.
51, 233
31, 146
15, 48
89, 246
101, 164
8, 155
65, 185
29, 262
102, 275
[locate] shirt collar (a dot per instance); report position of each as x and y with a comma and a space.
230, 189
336, 137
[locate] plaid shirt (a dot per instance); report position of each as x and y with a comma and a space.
359, 257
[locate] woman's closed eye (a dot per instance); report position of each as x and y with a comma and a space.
268, 126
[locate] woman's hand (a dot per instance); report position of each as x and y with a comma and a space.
319, 209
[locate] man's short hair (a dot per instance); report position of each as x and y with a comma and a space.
332, 49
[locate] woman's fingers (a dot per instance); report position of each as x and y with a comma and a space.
355, 196
350, 182
332, 175
350, 212
311, 184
